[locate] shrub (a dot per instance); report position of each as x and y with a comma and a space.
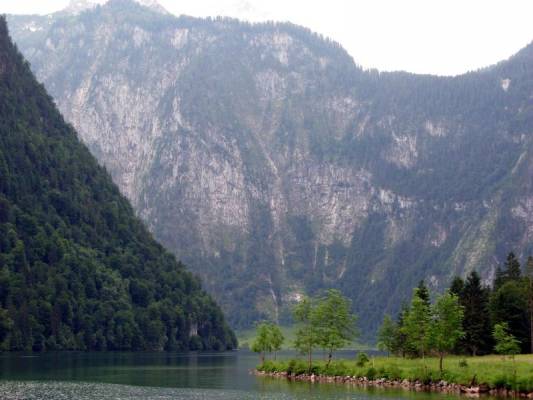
362, 359
500, 382
296, 367
392, 372
268, 366
337, 369
463, 363
525, 385
371, 373
316, 370
422, 375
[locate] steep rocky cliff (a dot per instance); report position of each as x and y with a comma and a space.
274, 166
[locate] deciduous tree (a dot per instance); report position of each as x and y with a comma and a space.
387, 335
446, 325
334, 321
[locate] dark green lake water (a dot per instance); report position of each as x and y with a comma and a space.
161, 376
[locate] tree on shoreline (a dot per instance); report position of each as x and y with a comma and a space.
306, 335
261, 343
334, 321
269, 339
446, 325
276, 338
325, 321
416, 324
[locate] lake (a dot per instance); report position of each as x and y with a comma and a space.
162, 376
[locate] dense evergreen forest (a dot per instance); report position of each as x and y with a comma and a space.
78, 270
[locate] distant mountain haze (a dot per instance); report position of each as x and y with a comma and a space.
274, 166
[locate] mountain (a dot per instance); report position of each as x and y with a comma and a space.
78, 6
274, 166
78, 270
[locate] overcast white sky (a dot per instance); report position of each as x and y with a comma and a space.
444, 37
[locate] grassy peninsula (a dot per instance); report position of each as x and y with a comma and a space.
441, 342
502, 375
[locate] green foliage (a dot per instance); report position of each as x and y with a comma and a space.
506, 343
276, 338
416, 324
508, 305
511, 271
446, 325
476, 323
333, 320
485, 370
297, 367
422, 292
307, 336
268, 338
362, 359
387, 335
325, 321
78, 270
371, 373
262, 342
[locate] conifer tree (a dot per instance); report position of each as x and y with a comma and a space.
475, 300
499, 278
512, 267
457, 286
509, 305
423, 293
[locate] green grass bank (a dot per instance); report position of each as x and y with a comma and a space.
488, 374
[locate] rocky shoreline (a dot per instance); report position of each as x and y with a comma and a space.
441, 386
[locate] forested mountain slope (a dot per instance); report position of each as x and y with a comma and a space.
263, 157
78, 270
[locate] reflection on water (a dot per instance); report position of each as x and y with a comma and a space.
162, 376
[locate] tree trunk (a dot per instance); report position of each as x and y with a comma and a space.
262, 358
440, 363
310, 361
330, 355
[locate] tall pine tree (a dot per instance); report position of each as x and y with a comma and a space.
423, 293
476, 324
